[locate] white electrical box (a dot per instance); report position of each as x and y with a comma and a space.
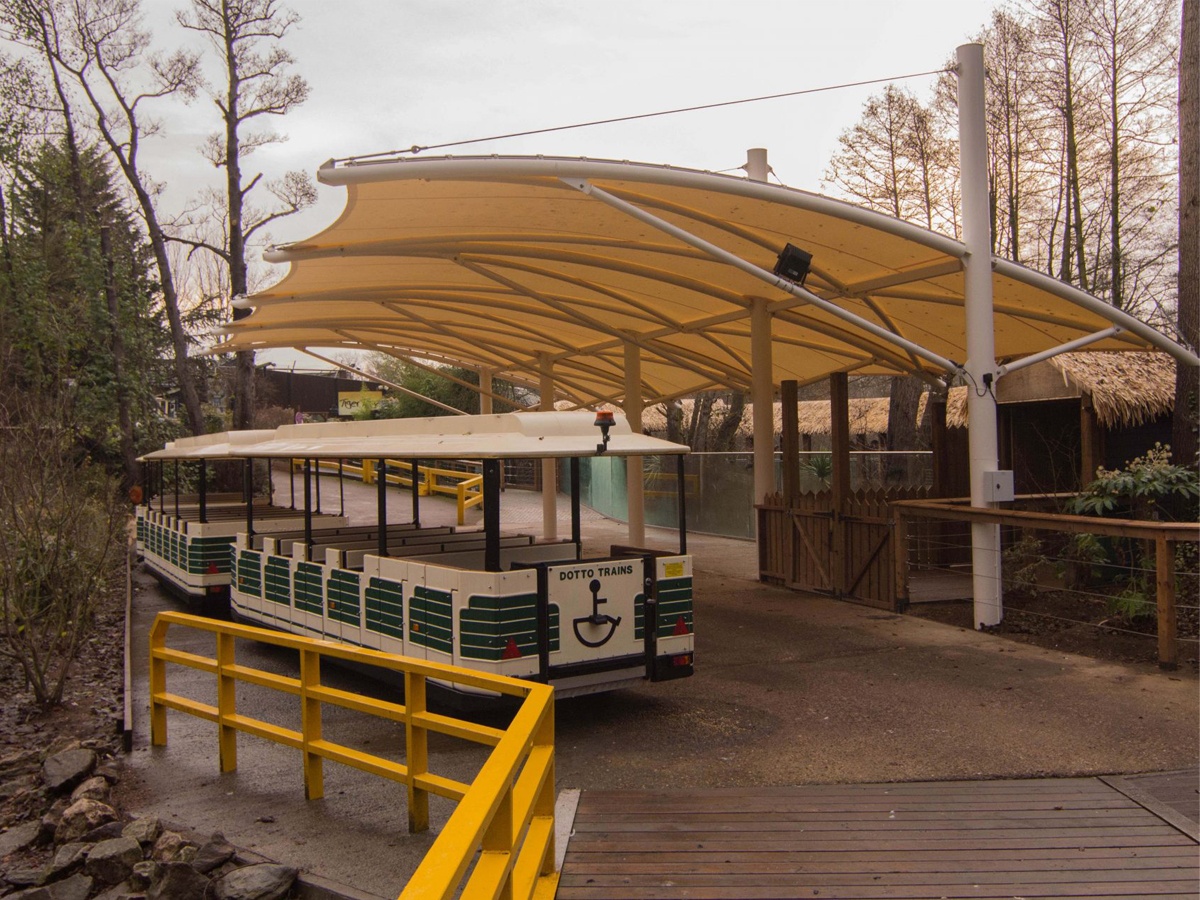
998, 486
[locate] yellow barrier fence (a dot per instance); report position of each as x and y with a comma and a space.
504, 820
465, 487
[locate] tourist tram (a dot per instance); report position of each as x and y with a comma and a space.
485, 599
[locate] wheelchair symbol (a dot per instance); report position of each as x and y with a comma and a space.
596, 618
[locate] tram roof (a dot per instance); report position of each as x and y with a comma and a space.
521, 265
219, 445
527, 435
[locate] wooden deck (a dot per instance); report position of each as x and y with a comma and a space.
1058, 838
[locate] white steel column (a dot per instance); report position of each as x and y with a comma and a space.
980, 366
485, 391
549, 467
762, 398
634, 484
762, 366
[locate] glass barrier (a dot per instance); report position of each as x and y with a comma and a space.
720, 486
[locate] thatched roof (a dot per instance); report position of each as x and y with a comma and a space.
867, 416
1127, 389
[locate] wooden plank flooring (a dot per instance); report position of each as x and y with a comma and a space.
1061, 838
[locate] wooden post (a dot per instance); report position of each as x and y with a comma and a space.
839, 426
900, 559
1164, 569
790, 442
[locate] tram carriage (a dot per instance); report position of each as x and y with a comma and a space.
499, 602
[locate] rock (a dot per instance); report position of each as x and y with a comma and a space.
94, 788
110, 771
170, 847
145, 831
214, 853
105, 832
24, 877
19, 838
144, 874
179, 881
112, 861
67, 859
81, 817
266, 881
77, 887
50, 820
122, 891
63, 771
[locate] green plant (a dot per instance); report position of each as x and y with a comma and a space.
1132, 603
820, 467
1149, 487
1021, 564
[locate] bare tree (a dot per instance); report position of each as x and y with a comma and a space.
247, 35
1187, 382
102, 48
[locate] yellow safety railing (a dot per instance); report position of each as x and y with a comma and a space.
504, 820
465, 487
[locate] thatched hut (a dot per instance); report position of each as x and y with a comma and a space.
1061, 419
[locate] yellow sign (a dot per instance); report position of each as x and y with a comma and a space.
350, 402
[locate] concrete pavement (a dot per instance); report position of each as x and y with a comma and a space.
789, 689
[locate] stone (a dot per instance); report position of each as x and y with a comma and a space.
179, 881
213, 854
105, 832
145, 830
77, 887
94, 788
63, 771
67, 859
112, 861
144, 874
266, 881
122, 891
19, 838
170, 847
110, 771
24, 877
81, 817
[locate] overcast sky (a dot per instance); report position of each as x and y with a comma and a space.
387, 74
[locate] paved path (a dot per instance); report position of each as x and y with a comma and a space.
791, 689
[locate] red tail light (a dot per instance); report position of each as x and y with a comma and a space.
681, 626
511, 650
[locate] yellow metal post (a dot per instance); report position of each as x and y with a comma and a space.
158, 686
417, 739
310, 724
499, 839
226, 704
544, 805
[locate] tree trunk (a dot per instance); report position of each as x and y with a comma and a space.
1187, 388
117, 348
905, 400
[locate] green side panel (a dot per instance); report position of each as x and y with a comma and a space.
489, 623
342, 590
201, 553
639, 616
309, 597
249, 572
141, 530
431, 619
385, 607
674, 602
278, 576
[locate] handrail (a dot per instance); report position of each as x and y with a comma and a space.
465, 487
505, 816
1164, 535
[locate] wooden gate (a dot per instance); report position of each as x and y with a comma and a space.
848, 553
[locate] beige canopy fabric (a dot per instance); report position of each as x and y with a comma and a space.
523, 266
531, 435
219, 445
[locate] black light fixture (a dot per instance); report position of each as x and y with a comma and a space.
604, 421
793, 264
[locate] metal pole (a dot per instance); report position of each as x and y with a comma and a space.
485, 391
341, 487
203, 490
491, 515
308, 537
549, 472
635, 488
980, 367
575, 517
416, 494
381, 512
248, 481
681, 492
177, 489
762, 393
